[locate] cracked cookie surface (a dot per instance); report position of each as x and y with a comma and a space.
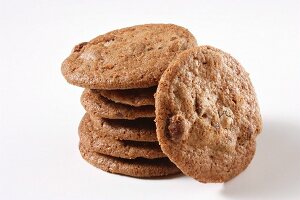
133, 57
207, 115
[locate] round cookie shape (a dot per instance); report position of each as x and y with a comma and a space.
134, 97
142, 129
207, 115
105, 144
140, 167
133, 57
98, 106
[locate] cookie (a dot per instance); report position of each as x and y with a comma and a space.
142, 129
207, 115
98, 106
105, 144
133, 97
133, 57
139, 167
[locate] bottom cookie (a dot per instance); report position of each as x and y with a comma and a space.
139, 167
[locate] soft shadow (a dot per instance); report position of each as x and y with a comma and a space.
168, 177
275, 171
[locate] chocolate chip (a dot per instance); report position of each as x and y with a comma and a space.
78, 47
198, 106
176, 127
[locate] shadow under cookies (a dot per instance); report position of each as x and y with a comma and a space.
275, 171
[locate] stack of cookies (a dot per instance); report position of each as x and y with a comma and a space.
120, 72
158, 104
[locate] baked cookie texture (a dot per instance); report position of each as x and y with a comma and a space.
142, 129
98, 106
134, 97
105, 144
207, 115
133, 57
140, 167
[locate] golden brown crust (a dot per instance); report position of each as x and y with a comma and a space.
98, 106
105, 144
207, 115
133, 57
139, 167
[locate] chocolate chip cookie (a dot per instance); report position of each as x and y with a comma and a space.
105, 144
142, 129
207, 115
139, 167
100, 107
133, 57
134, 97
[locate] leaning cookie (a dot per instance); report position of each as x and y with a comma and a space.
140, 167
134, 97
133, 57
99, 106
207, 115
107, 145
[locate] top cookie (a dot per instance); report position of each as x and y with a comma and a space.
207, 115
133, 57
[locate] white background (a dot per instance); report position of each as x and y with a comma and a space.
40, 112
